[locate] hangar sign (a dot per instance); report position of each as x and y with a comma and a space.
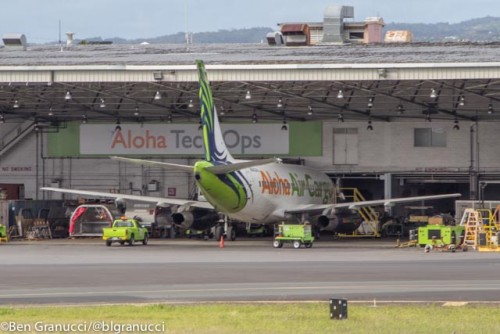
179, 139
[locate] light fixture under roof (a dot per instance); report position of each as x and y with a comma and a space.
340, 94
68, 96
433, 93
284, 127
103, 104
248, 96
157, 95
401, 109
370, 126
84, 119
51, 112
2, 119
280, 103
254, 118
341, 118
490, 109
169, 118
461, 101
136, 111
16, 104
118, 126
310, 111
190, 105
222, 111
456, 126
370, 102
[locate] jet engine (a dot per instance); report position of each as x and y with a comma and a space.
196, 219
344, 221
121, 205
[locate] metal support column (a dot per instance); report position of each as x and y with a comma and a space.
388, 190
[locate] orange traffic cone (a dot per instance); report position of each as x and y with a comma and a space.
221, 242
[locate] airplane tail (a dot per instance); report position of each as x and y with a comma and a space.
215, 147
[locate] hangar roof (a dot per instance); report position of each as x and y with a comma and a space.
389, 82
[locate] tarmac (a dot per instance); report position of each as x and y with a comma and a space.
85, 271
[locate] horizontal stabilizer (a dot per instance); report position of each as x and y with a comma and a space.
164, 165
224, 169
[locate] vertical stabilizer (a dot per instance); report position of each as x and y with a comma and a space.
215, 147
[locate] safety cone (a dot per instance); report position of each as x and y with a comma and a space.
221, 242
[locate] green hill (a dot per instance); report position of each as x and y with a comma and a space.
486, 29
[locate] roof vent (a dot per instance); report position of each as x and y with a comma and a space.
274, 38
333, 26
17, 41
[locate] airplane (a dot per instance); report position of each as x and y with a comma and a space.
265, 191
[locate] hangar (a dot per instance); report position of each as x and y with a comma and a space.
394, 120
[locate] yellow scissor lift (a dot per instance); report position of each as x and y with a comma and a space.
479, 222
367, 213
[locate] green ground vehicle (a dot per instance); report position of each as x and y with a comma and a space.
296, 234
125, 230
440, 235
3, 232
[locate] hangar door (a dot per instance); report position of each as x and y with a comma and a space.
345, 146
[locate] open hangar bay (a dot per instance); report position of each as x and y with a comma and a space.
391, 120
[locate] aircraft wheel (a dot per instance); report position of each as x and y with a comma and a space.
145, 240
131, 241
218, 232
122, 243
296, 244
108, 243
308, 245
232, 233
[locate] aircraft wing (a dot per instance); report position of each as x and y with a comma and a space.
173, 201
356, 205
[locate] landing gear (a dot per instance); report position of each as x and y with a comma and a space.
231, 232
218, 232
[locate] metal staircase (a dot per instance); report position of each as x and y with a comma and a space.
367, 213
472, 220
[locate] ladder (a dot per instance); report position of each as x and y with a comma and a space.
472, 220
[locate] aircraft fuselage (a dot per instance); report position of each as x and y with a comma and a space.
263, 194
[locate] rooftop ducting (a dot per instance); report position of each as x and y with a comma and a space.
17, 41
296, 34
333, 27
275, 38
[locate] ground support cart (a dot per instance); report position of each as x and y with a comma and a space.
3, 233
298, 235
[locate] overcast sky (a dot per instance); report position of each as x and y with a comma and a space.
39, 19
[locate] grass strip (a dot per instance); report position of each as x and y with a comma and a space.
269, 318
